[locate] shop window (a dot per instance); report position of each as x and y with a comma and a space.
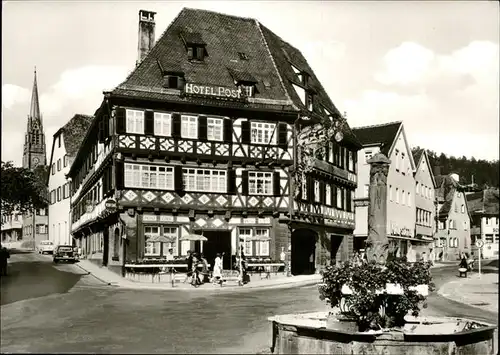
151, 248
171, 234
462, 208
488, 238
245, 237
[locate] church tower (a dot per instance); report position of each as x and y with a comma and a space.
34, 152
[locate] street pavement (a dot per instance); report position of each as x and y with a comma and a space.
77, 312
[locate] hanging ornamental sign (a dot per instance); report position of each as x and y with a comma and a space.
110, 204
210, 90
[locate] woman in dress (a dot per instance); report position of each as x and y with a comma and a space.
217, 274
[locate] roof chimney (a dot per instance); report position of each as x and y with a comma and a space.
146, 34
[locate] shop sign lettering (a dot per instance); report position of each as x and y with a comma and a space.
208, 90
402, 232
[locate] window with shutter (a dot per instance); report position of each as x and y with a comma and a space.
282, 135
149, 123
244, 182
228, 130
202, 127
176, 125
276, 184
213, 128
245, 132
178, 182
120, 120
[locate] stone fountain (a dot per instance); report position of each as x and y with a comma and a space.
317, 333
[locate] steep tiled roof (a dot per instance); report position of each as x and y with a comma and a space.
485, 202
225, 36
268, 63
383, 134
74, 131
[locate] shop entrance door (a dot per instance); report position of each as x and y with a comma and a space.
217, 242
303, 252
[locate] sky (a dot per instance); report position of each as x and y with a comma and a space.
433, 65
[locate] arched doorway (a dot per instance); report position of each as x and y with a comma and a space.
303, 251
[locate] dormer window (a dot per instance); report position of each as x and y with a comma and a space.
195, 46
196, 53
173, 76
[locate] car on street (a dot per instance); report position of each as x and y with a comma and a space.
64, 253
45, 246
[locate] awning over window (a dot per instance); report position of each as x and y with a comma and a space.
193, 237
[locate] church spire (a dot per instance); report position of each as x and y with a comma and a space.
35, 105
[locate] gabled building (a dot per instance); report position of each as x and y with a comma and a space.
484, 210
453, 235
35, 224
200, 138
65, 144
425, 205
389, 139
12, 227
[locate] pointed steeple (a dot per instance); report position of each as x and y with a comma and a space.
35, 105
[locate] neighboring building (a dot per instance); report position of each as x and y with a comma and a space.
453, 235
425, 205
12, 227
65, 145
35, 225
484, 210
200, 139
389, 139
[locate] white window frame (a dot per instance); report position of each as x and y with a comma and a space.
262, 244
260, 183
304, 187
245, 234
214, 128
397, 194
151, 249
148, 176
339, 197
366, 191
409, 199
169, 232
262, 133
397, 159
134, 122
403, 197
350, 160
328, 194
204, 180
163, 124
317, 193
417, 189
189, 126
390, 193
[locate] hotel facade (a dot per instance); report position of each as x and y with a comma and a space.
201, 139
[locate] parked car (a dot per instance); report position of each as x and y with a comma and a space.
64, 253
46, 246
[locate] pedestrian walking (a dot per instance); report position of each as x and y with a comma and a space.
4, 255
217, 274
195, 280
204, 269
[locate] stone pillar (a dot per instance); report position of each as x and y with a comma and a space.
377, 244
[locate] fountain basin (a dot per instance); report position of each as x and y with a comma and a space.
308, 333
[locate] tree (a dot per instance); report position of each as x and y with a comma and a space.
22, 189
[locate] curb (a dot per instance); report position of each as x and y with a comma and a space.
93, 275
459, 298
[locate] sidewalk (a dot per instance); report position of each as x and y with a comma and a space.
477, 291
276, 281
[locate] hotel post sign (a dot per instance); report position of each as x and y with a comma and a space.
214, 91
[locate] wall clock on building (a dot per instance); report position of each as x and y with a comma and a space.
36, 161
35, 125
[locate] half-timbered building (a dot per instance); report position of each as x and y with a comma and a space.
200, 138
